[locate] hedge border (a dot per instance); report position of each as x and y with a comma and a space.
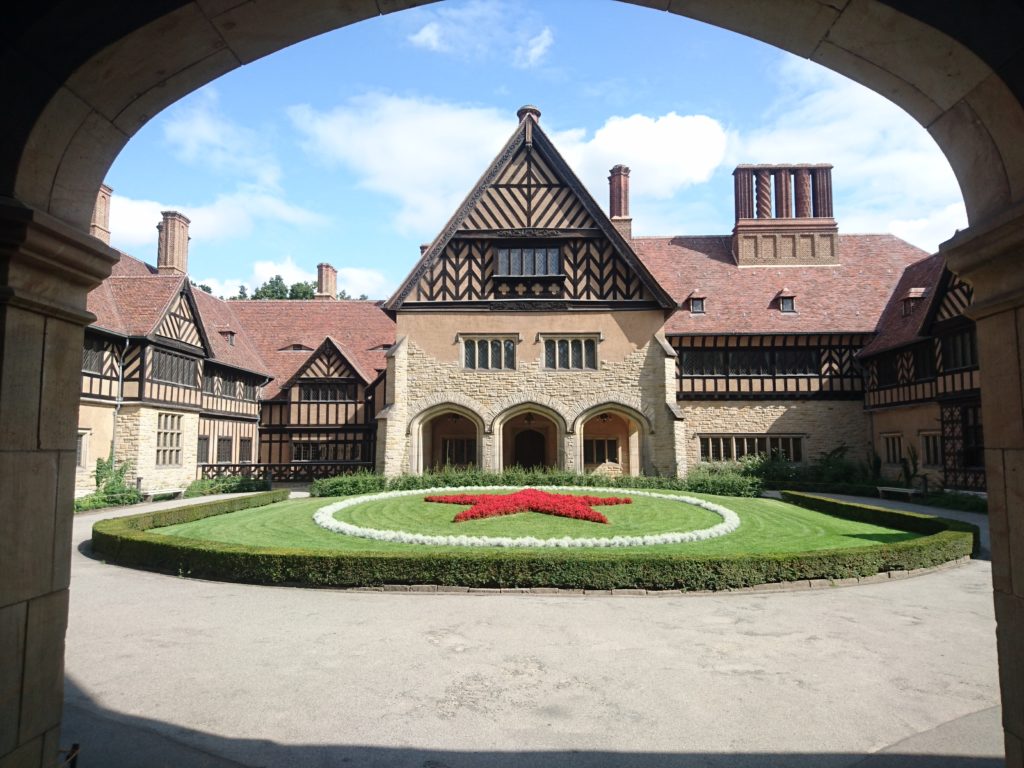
125, 541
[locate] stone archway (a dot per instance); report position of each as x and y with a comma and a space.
610, 443
71, 107
446, 435
529, 435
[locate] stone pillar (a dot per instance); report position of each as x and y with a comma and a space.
822, 177
743, 183
988, 256
764, 194
783, 194
802, 192
46, 270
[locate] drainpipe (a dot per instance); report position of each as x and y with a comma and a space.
120, 398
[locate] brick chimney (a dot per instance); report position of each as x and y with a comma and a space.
100, 225
784, 215
326, 281
618, 203
172, 245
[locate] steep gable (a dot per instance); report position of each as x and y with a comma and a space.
529, 236
956, 298
180, 323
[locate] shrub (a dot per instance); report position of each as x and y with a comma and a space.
208, 486
111, 488
125, 541
722, 479
965, 502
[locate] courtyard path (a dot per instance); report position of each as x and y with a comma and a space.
167, 671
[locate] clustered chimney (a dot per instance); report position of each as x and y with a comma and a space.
802, 229
618, 204
100, 225
326, 281
172, 244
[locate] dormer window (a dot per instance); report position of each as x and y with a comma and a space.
911, 299
787, 300
697, 305
229, 337
296, 348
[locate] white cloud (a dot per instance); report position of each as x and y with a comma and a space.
429, 37
664, 154
425, 154
358, 281
452, 144
889, 174
481, 29
201, 135
133, 222
532, 53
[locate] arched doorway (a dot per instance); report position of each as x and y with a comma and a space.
611, 444
529, 449
450, 440
529, 436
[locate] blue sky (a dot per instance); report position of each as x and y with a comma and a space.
355, 147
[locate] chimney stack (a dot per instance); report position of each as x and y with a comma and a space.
172, 245
784, 215
100, 225
326, 281
618, 204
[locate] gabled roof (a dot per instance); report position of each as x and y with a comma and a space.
346, 355
528, 133
219, 320
841, 298
359, 329
897, 329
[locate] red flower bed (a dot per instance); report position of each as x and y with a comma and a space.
530, 500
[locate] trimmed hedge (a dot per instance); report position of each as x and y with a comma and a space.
125, 541
719, 479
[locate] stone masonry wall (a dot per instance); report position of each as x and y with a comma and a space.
825, 425
136, 442
638, 382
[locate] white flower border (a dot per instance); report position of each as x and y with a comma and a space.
324, 517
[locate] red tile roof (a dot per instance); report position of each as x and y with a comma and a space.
142, 303
843, 298
220, 322
896, 329
360, 329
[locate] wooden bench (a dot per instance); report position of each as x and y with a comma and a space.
175, 492
908, 492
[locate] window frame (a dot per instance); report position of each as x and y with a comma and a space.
94, 352
344, 386
169, 433
590, 451
568, 348
698, 305
187, 376
892, 445
787, 304
474, 342
223, 440
504, 251
934, 437
723, 446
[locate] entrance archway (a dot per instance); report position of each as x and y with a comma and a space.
450, 440
611, 444
531, 436
953, 66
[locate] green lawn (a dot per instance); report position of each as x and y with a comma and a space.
767, 525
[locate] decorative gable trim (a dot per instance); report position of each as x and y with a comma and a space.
319, 365
181, 323
588, 215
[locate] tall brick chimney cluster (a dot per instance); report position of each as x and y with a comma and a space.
172, 244
326, 281
99, 227
784, 215
618, 203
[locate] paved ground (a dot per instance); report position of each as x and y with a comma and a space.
165, 671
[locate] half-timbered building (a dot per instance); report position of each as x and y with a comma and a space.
534, 330
923, 384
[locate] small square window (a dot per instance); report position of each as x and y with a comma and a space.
787, 304
697, 306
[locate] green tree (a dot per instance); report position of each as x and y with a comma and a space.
343, 295
274, 288
304, 290
242, 294
202, 287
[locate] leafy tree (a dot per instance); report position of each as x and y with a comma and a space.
343, 294
274, 288
304, 290
202, 287
242, 295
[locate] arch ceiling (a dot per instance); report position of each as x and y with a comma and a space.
82, 80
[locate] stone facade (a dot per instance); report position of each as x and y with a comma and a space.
96, 428
633, 379
910, 423
137, 443
824, 425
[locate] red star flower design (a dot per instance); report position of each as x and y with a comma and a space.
530, 500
